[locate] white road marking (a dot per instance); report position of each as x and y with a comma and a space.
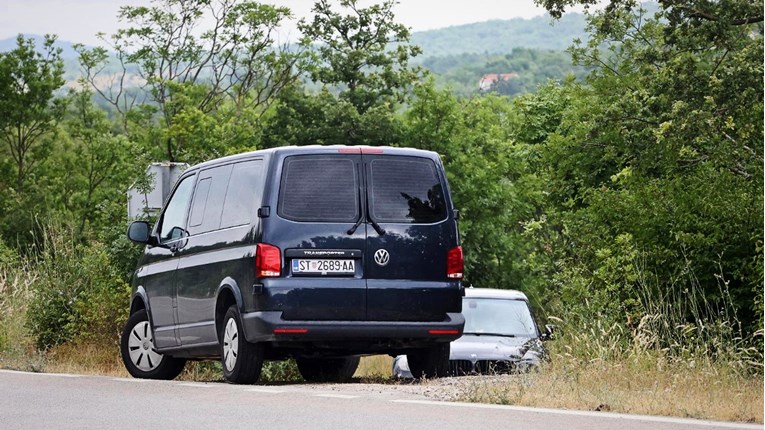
336, 396
650, 418
131, 380
63, 375
196, 384
265, 390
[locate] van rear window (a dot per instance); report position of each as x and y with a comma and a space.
406, 190
319, 188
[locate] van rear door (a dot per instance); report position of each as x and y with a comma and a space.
320, 230
410, 232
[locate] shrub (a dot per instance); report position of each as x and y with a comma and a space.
78, 293
677, 321
280, 371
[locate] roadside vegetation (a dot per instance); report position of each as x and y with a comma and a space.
627, 204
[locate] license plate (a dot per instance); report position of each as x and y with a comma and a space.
324, 267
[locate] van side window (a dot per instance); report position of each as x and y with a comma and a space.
245, 190
319, 188
200, 201
174, 218
207, 205
406, 190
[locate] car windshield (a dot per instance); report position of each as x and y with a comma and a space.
498, 317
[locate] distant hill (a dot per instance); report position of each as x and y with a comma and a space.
459, 56
502, 36
67, 48
489, 37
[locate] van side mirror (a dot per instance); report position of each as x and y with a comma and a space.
139, 232
548, 333
456, 214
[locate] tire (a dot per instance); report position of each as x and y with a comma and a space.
242, 361
327, 369
140, 355
432, 362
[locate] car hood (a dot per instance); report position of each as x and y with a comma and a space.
472, 347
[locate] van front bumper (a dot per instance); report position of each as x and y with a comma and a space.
268, 326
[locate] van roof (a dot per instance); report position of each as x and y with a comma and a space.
319, 149
493, 293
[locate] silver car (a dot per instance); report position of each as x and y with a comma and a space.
500, 336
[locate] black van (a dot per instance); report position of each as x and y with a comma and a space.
319, 253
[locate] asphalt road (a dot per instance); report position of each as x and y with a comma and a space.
58, 401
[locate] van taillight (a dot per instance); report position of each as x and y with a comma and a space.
268, 261
455, 263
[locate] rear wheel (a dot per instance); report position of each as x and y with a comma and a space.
242, 360
327, 369
431, 362
140, 355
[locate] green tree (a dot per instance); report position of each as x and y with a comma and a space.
189, 58
28, 111
353, 53
490, 178
323, 119
655, 167
363, 82
89, 167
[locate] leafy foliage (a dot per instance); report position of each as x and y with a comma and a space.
187, 70
655, 169
28, 111
353, 52
78, 295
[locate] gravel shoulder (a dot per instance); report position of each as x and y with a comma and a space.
443, 389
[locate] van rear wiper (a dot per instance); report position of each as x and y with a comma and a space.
378, 229
355, 226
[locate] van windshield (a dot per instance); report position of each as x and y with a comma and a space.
405, 190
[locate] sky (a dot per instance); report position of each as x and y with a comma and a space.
80, 20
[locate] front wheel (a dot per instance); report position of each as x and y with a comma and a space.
140, 355
242, 360
431, 362
327, 369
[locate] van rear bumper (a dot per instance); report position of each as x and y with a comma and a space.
268, 326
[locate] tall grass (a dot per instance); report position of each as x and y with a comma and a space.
61, 303
684, 355
640, 384
78, 295
16, 344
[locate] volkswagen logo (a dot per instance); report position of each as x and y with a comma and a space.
382, 257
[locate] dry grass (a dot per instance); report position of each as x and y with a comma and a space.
16, 349
637, 386
85, 359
